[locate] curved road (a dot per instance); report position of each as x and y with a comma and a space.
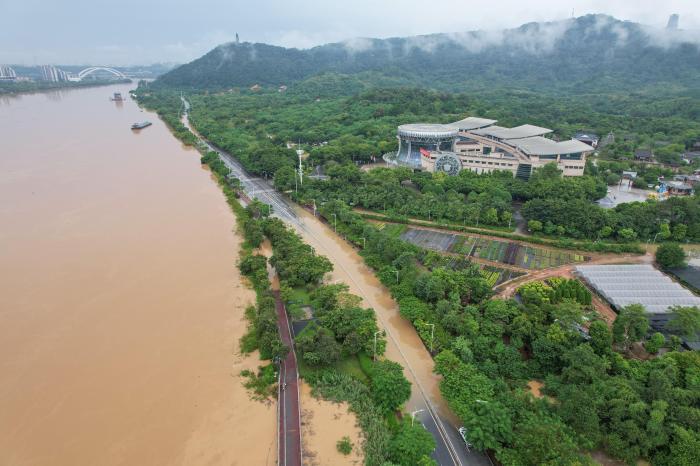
404, 347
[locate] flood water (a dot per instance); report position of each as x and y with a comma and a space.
120, 302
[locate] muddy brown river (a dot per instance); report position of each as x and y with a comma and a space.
120, 303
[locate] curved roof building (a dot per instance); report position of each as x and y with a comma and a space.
423, 136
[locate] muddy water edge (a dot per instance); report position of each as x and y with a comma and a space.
120, 300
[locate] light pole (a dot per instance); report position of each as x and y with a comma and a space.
397, 276
363, 243
432, 334
413, 415
314, 206
374, 348
335, 223
429, 219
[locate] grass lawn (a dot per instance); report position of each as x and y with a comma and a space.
298, 298
350, 365
394, 229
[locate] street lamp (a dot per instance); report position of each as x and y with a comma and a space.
374, 348
413, 415
432, 334
335, 223
363, 243
397, 276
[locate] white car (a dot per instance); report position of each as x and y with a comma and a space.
463, 432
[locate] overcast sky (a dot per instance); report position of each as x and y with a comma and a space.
127, 32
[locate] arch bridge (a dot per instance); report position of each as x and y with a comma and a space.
92, 69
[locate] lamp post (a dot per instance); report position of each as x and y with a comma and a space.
397, 276
335, 223
314, 206
363, 243
413, 415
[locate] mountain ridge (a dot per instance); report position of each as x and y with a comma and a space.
561, 54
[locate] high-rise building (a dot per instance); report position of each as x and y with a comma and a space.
673, 22
7, 73
53, 74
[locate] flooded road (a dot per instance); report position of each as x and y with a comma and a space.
120, 301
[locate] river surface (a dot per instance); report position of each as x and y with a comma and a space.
120, 302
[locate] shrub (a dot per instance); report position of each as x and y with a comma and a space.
344, 445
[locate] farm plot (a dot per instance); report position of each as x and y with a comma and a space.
435, 240
505, 252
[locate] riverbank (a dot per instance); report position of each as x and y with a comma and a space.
30, 87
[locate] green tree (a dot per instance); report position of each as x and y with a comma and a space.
489, 425
654, 344
284, 178
410, 444
539, 439
317, 346
679, 232
631, 325
390, 389
670, 255
601, 337
664, 231
534, 225
685, 320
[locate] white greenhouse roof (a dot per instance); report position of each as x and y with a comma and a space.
470, 123
622, 285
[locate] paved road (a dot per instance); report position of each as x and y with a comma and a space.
450, 449
289, 416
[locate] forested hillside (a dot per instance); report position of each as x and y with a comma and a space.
589, 53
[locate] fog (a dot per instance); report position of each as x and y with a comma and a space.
142, 32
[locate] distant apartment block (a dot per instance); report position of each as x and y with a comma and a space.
52, 74
7, 73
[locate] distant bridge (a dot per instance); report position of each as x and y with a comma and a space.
92, 69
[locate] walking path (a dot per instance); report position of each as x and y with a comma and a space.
288, 394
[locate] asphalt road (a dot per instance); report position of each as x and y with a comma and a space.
450, 448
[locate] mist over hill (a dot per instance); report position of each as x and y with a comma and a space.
584, 54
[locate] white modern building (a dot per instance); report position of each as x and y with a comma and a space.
7, 73
53, 74
477, 144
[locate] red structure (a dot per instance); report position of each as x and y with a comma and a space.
289, 414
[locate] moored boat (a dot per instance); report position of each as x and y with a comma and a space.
141, 125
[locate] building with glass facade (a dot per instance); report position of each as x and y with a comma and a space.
477, 144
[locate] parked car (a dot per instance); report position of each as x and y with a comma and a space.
464, 433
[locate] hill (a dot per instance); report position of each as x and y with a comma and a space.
586, 54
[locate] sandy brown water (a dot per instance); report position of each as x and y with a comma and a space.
120, 303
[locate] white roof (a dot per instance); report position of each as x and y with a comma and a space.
622, 285
538, 145
429, 130
470, 123
519, 132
